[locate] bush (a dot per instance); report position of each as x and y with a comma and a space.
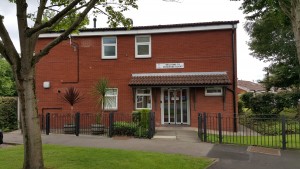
8, 113
246, 99
289, 113
240, 107
141, 117
122, 128
266, 104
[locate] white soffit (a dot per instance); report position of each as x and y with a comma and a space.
144, 31
179, 74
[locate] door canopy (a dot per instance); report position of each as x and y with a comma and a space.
180, 79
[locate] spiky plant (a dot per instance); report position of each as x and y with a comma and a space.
99, 91
72, 96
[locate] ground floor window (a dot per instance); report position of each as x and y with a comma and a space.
213, 91
143, 99
111, 99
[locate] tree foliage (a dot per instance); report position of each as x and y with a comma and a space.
266, 104
7, 87
272, 40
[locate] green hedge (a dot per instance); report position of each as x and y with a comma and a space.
8, 113
267, 104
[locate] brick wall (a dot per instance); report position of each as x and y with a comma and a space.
206, 51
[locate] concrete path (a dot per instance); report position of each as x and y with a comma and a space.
185, 134
154, 145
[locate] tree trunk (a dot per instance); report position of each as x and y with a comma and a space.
33, 157
295, 14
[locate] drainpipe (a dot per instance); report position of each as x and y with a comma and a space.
76, 49
234, 79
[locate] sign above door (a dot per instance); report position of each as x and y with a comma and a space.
169, 65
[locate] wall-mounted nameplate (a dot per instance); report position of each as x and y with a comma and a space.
169, 65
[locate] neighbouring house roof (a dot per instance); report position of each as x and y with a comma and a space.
249, 86
180, 79
185, 27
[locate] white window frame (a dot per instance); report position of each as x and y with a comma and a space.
142, 43
111, 95
215, 93
136, 96
104, 45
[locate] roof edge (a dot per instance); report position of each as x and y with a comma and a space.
185, 27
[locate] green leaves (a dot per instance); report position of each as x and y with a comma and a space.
72, 96
7, 82
99, 91
272, 40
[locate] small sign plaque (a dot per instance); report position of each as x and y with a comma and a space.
169, 65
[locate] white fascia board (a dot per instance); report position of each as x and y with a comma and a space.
178, 74
144, 31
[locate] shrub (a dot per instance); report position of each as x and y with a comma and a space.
240, 107
8, 113
289, 113
122, 128
266, 104
136, 116
246, 99
141, 117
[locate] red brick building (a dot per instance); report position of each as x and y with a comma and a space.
176, 70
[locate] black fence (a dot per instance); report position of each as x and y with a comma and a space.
107, 124
260, 130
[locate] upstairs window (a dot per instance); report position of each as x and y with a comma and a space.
143, 46
143, 99
111, 99
213, 91
109, 48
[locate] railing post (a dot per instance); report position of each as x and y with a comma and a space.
220, 127
200, 126
283, 132
47, 123
77, 123
150, 125
111, 124
204, 127
153, 124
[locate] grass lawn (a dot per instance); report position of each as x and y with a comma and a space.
63, 157
293, 141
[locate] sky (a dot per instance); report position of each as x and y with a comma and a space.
160, 12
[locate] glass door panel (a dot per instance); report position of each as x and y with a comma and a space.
166, 106
175, 102
178, 106
172, 96
184, 105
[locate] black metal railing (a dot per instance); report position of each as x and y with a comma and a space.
108, 124
260, 130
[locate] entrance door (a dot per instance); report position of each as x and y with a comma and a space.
175, 106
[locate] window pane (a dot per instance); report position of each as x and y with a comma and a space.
110, 40
143, 102
111, 92
109, 51
143, 39
143, 49
110, 102
143, 91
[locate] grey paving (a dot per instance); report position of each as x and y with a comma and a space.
153, 145
236, 157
